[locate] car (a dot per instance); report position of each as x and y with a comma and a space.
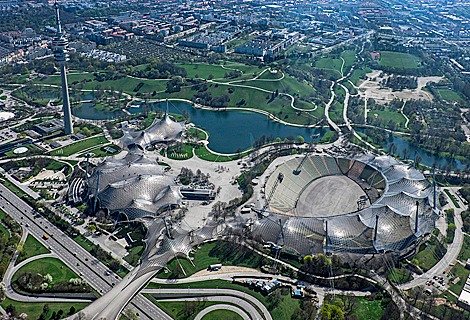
107, 273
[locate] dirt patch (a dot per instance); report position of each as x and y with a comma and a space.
223, 270
371, 88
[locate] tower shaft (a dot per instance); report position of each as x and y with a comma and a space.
68, 125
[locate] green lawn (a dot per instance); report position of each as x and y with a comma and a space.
450, 95
56, 268
222, 314
204, 70
127, 84
349, 57
4, 231
100, 152
371, 310
356, 76
13, 188
400, 275
205, 154
387, 115
287, 85
71, 78
462, 273
34, 309
398, 60
183, 153
253, 98
330, 64
427, 254
329, 137
283, 311
32, 247
465, 251
31, 147
201, 134
213, 253
79, 146
452, 198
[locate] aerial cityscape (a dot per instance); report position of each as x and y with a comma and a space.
234, 160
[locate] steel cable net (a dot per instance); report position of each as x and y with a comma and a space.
393, 232
162, 130
209, 231
349, 234
302, 235
396, 172
402, 187
417, 187
134, 185
112, 170
269, 228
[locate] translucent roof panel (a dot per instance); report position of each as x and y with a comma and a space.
393, 232
417, 187
403, 202
303, 235
162, 130
349, 234
268, 229
397, 172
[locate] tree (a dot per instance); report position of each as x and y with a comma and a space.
71, 311
300, 139
46, 308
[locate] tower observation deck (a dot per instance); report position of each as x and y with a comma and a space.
59, 46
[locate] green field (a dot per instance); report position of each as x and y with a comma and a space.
100, 152
32, 247
56, 268
329, 64
4, 231
286, 85
349, 57
426, 257
356, 76
387, 115
34, 309
79, 146
213, 253
127, 84
398, 60
222, 314
371, 310
462, 273
183, 153
450, 95
204, 70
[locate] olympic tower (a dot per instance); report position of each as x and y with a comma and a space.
59, 45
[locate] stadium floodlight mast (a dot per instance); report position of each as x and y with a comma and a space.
59, 46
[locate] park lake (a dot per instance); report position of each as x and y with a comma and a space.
233, 129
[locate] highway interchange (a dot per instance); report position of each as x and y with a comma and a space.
71, 253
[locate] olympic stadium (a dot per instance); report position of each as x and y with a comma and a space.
334, 204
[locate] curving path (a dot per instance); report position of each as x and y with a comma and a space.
242, 304
227, 292
205, 311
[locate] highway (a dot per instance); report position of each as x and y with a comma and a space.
73, 255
